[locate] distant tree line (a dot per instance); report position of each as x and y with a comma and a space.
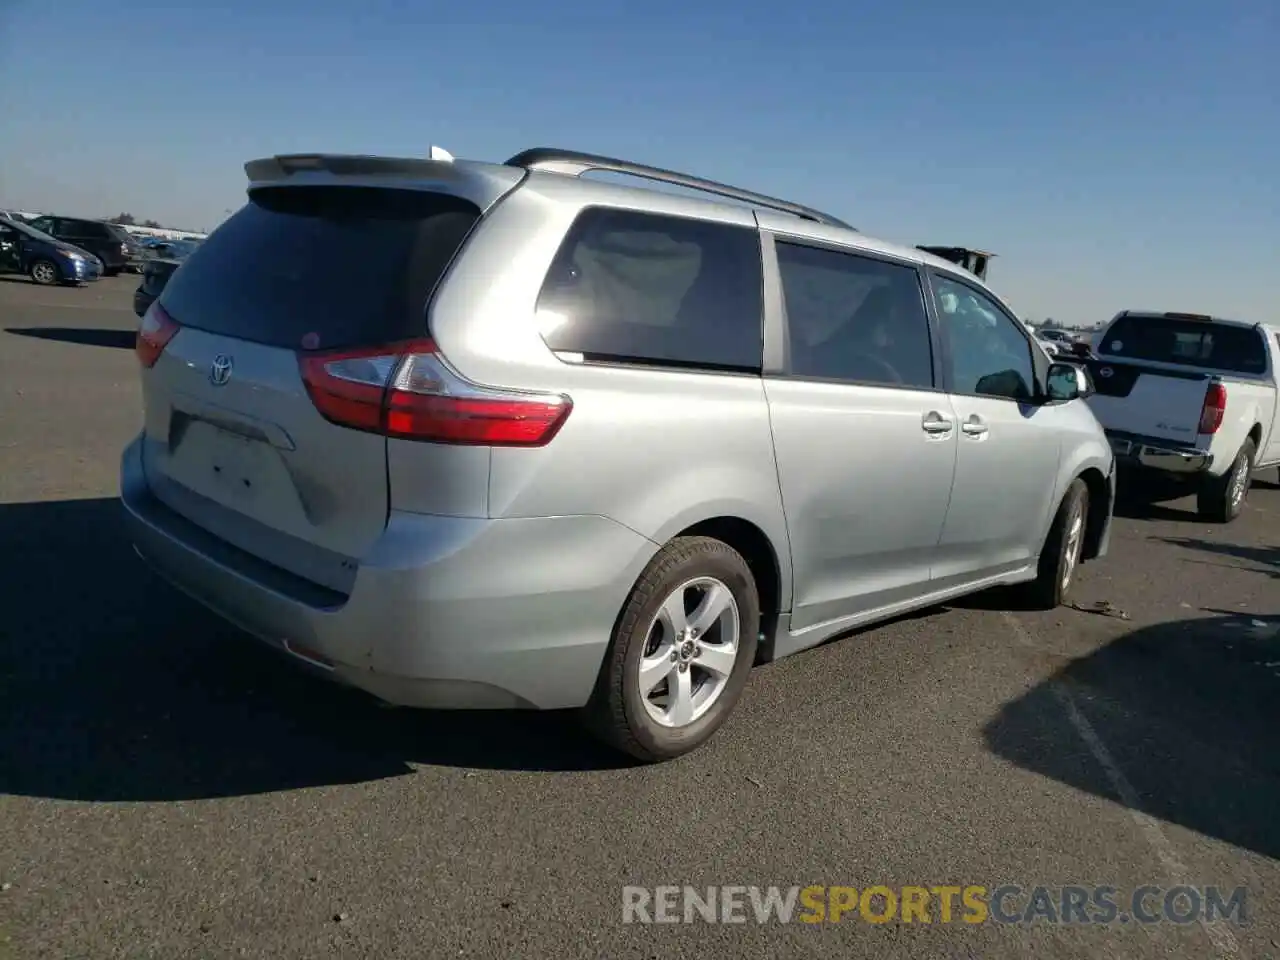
127, 220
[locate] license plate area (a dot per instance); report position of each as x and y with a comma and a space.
243, 473
229, 465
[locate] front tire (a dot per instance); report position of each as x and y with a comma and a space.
1222, 498
1060, 558
681, 652
45, 273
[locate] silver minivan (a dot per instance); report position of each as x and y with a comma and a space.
477, 435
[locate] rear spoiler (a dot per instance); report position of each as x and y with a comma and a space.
282, 167
482, 183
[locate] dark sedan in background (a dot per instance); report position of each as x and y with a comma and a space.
165, 258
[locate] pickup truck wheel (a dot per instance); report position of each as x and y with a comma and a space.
1222, 498
1060, 557
683, 646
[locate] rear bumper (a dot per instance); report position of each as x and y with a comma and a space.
445, 612
1154, 454
1174, 461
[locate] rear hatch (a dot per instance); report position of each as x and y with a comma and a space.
234, 441
1154, 371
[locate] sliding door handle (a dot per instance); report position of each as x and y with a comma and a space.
935, 424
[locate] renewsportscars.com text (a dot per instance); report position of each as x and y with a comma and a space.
969, 903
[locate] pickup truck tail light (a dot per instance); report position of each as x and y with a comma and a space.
1215, 406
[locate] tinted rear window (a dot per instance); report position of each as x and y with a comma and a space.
855, 318
637, 287
339, 266
1192, 343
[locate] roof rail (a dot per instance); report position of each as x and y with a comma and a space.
575, 164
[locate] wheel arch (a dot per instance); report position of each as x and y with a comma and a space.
764, 561
1100, 508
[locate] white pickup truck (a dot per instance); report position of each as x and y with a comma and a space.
1192, 397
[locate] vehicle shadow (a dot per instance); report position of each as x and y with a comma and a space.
116, 687
1148, 499
1185, 710
88, 336
1266, 557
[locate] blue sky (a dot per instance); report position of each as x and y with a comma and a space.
1114, 156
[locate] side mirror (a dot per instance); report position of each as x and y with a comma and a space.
1067, 381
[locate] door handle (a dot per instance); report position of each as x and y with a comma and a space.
935, 423
974, 427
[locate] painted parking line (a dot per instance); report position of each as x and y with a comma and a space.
1223, 940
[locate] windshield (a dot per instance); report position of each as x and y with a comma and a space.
1193, 343
29, 231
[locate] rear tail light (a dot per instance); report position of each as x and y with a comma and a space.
154, 333
407, 391
1215, 406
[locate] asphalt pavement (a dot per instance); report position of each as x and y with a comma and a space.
169, 788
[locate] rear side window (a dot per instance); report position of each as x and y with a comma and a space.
1192, 343
322, 267
854, 319
643, 288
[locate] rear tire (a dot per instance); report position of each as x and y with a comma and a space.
662, 690
45, 273
1060, 558
1222, 498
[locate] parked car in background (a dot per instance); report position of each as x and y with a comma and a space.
1048, 344
138, 254
45, 259
166, 256
555, 442
1193, 398
109, 242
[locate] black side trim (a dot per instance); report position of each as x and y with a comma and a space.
148, 507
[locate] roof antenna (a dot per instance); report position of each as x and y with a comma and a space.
440, 153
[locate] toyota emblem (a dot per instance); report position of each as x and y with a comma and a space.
220, 371
1105, 372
